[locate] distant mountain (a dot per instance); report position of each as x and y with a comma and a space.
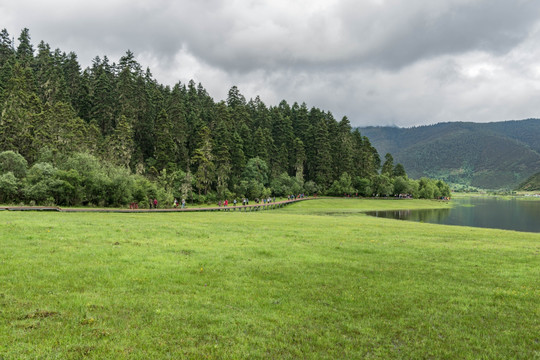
531, 184
486, 155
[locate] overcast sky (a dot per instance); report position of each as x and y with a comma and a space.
379, 62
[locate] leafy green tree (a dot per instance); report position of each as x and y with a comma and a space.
402, 185
14, 163
444, 188
383, 185
341, 186
65, 187
310, 188
9, 186
39, 182
363, 186
286, 185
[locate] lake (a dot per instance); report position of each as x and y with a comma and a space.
486, 212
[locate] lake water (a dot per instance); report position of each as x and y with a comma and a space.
513, 214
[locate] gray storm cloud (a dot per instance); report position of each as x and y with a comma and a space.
377, 61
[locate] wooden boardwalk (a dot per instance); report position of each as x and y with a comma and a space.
241, 208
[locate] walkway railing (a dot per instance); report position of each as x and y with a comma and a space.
240, 208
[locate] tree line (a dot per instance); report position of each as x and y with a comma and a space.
111, 134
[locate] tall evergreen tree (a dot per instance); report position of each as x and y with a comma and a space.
25, 51
177, 114
323, 158
388, 166
204, 161
165, 146
6, 47
102, 103
121, 145
300, 158
19, 113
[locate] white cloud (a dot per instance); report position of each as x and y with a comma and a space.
376, 61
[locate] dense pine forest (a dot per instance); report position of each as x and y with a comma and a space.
110, 135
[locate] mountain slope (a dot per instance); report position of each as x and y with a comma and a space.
493, 155
531, 184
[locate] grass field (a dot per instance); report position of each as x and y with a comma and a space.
317, 279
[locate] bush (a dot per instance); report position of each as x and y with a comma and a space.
13, 162
8, 187
341, 186
284, 185
39, 182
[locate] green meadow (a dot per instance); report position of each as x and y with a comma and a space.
317, 279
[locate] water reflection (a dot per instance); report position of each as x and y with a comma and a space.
514, 214
430, 215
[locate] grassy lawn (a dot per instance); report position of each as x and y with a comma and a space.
317, 279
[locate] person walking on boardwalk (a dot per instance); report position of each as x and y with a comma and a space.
183, 203
234, 202
155, 203
226, 203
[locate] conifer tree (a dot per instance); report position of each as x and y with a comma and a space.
165, 146
388, 166
238, 158
300, 158
19, 113
121, 145
177, 114
204, 161
25, 51
102, 103
6, 47
323, 159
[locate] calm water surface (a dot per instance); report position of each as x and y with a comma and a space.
513, 214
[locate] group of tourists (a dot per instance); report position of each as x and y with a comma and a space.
182, 204
294, 197
153, 202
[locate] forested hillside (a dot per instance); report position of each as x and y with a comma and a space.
111, 134
531, 184
492, 155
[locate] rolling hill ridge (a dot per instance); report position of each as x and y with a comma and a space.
486, 155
